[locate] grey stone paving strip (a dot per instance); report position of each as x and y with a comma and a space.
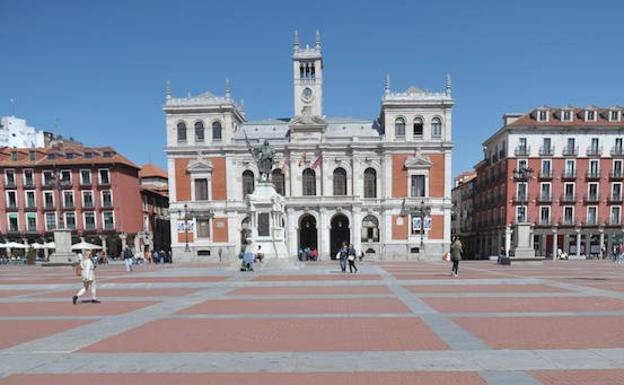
509, 378
292, 315
452, 334
538, 314
504, 362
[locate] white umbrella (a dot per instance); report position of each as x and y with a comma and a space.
36, 246
82, 245
50, 245
4, 245
15, 245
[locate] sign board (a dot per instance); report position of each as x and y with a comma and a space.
190, 226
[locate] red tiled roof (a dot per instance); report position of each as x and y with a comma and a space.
578, 117
63, 155
150, 169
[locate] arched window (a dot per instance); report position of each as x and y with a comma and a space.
278, 181
216, 130
370, 229
399, 128
181, 132
340, 181
436, 128
199, 131
418, 127
370, 183
309, 182
248, 182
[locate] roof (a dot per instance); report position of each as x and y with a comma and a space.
151, 170
62, 155
578, 117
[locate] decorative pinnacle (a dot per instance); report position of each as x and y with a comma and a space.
296, 41
228, 89
387, 84
168, 89
448, 84
318, 39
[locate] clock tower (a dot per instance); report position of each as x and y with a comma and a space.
308, 77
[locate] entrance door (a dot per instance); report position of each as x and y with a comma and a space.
339, 233
307, 232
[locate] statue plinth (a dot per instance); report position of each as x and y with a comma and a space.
63, 254
266, 214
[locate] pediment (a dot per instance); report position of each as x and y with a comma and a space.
199, 165
418, 161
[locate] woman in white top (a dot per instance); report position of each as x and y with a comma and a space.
87, 275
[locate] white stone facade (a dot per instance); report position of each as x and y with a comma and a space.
15, 133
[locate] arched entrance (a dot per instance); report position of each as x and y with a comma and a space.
339, 233
307, 232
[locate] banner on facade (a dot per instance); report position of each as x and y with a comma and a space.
190, 226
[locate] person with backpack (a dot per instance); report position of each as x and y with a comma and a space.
128, 257
351, 258
342, 255
456, 256
86, 271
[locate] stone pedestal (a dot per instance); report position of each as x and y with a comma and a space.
266, 214
522, 246
62, 252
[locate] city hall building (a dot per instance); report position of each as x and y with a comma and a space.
382, 184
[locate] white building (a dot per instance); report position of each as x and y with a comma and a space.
344, 179
15, 133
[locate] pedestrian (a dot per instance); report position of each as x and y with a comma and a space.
220, 255
351, 258
127, 256
342, 257
155, 256
87, 275
456, 255
259, 254
248, 260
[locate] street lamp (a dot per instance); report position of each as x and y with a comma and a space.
186, 218
421, 211
57, 183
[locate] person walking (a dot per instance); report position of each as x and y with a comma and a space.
87, 275
127, 256
456, 255
351, 258
342, 257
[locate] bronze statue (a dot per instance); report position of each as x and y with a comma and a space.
263, 156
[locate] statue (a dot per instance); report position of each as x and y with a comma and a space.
263, 156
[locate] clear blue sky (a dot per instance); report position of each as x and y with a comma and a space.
99, 67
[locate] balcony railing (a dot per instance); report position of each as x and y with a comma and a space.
87, 205
544, 222
570, 151
593, 174
615, 198
522, 151
29, 184
10, 184
591, 222
568, 174
592, 198
109, 226
568, 198
545, 198
594, 151
617, 151
12, 206
521, 198
86, 182
546, 174
31, 229
547, 151
567, 222
616, 175
48, 205
615, 220
107, 205
69, 205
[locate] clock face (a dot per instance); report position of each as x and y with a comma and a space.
307, 93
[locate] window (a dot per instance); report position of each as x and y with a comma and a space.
340, 181
592, 215
181, 132
199, 131
87, 200
70, 155
568, 191
545, 191
216, 130
48, 199
13, 223
277, 177
542, 116
595, 144
521, 214
617, 168
10, 178
593, 168
107, 199
618, 145
399, 128
418, 127
616, 192
567, 116
65, 176
51, 156
31, 222
85, 177
68, 199
615, 215
70, 220
546, 146
370, 183
522, 191
593, 191
544, 215
48, 178
370, 229
109, 222
436, 128
88, 155
32, 155
108, 154
522, 164
614, 115
104, 176
248, 182
11, 200
570, 168
570, 148
546, 167
30, 200
89, 220
50, 221
29, 179
418, 186
590, 115
568, 215
309, 182
203, 228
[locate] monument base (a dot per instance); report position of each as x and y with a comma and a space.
62, 256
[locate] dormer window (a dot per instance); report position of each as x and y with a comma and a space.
614, 115
566, 116
590, 115
542, 115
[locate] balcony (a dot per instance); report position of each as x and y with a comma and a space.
86, 182
616, 175
615, 198
568, 174
592, 198
32, 229
594, 151
69, 206
567, 222
521, 199
48, 183
568, 198
570, 151
617, 151
88, 205
546, 174
66, 184
545, 198
593, 175
10, 184
107, 205
614, 221
522, 174
546, 151
29, 184
12, 206
522, 151
48, 205
544, 222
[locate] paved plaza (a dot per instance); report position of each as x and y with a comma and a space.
392, 323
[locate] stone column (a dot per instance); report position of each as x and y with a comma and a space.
578, 242
124, 240
356, 229
137, 246
104, 246
323, 235
507, 239
555, 247
293, 229
602, 242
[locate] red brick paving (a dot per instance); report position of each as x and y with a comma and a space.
103, 293
25, 309
319, 277
325, 290
547, 332
360, 378
274, 335
18, 332
132, 279
540, 304
484, 289
292, 306
580, 377
13, 293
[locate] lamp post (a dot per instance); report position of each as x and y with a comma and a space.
421, 210
186, 218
